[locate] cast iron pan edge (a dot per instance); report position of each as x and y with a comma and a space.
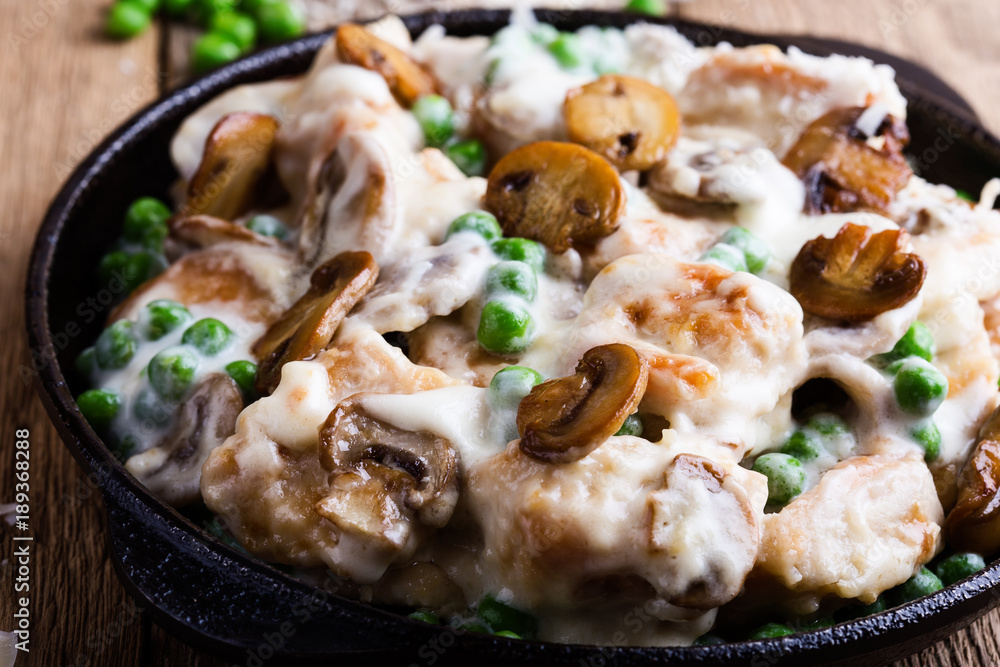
238, 608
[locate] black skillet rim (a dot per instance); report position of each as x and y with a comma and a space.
894, 633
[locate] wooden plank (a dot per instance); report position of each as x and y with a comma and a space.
65, 88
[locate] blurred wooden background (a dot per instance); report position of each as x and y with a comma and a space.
65, 87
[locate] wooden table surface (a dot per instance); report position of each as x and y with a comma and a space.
64, 87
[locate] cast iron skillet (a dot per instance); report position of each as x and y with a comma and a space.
238, 608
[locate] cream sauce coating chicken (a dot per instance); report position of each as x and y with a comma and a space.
385, 442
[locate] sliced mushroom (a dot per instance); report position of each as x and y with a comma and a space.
856, 275
204, 231
558, 193
406, 79
974, 523
237, 153
307, 328
172, 469
384, 477
565, 419
851, 160
352, 205
630, 122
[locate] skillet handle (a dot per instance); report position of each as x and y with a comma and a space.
228, 604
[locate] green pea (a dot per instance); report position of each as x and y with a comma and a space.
126, 19
631, 426
509, 385
918, 341
785, 476
803, 445
116, 345
828, 424
239, 27
517, 249
469, 155
770, 630
501, 616
163, 316
426, 617
150, 408
209, 336
648, 7
171, 372
99, 407
852, 612
755, 251
709, 639
140, 267
144, 214
85, 363
726, 256
511, 277
922, 583
508, 634
177, 8
929, 438
125, 446
280, 22
567, 50
111, 266
482, 223
244, 373
254, 6
920, 388
267, 225
151, 6
206, 10
962, 194
213, 50
958, 566
436, 119
505, 327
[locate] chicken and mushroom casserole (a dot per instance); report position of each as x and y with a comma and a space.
593, 337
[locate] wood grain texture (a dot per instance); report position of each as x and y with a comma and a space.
66, 88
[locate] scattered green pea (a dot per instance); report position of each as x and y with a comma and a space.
726, 256
151, 6
177, 8
755, 251
501, 616
469, 155
803, 445
144, 217
828, 424
517, 249
956, 567
785, 476
150, 408
140, 267
709, 639
648, 7
163, 316
567, 50
85, 363
206, 10
482, 223
920, 388
99, 406
111, 268
436, 119
125, 446
426, 617
918, 341
851, 612
279, 22
116, 345
244, 373
770, 630
209, 336
238, 27
512, 277
510, 385
929, 438
505, 327
631, 426
126, 19
213, 50
171, 372
962, 194
267, 225
508, 634
922, 583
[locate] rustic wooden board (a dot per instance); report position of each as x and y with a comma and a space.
66, 88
